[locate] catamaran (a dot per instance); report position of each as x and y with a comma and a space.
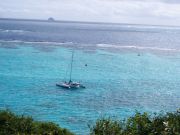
70, 84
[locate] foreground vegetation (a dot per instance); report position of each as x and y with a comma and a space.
139, 124
11, 124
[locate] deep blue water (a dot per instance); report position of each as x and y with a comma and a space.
36, 55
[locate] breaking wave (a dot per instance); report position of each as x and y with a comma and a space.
35, 42
14, 31
136, 47
95, 46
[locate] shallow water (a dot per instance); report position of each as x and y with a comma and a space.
117, 84
34, 56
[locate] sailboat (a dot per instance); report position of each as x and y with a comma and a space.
70, 84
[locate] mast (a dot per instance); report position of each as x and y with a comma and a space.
71, 65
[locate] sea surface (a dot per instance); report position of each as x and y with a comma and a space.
129, 68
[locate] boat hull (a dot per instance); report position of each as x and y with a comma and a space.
70, 85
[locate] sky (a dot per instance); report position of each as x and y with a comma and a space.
155, 12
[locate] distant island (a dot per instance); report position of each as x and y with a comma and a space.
50, 19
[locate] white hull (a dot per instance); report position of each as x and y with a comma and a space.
70, 85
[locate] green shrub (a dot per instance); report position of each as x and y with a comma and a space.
11, 124
106, 127
139, 124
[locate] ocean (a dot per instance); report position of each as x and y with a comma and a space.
129, 68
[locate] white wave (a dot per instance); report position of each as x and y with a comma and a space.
14, 31
105, 46
136, 47
35, 42
152, 27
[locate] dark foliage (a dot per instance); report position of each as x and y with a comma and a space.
11, 124
139, 124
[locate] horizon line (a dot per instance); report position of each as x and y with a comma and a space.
86, 22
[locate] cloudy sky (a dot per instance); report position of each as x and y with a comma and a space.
161, 12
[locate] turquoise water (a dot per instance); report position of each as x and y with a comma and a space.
118, 83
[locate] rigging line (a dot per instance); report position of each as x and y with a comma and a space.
71, 65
